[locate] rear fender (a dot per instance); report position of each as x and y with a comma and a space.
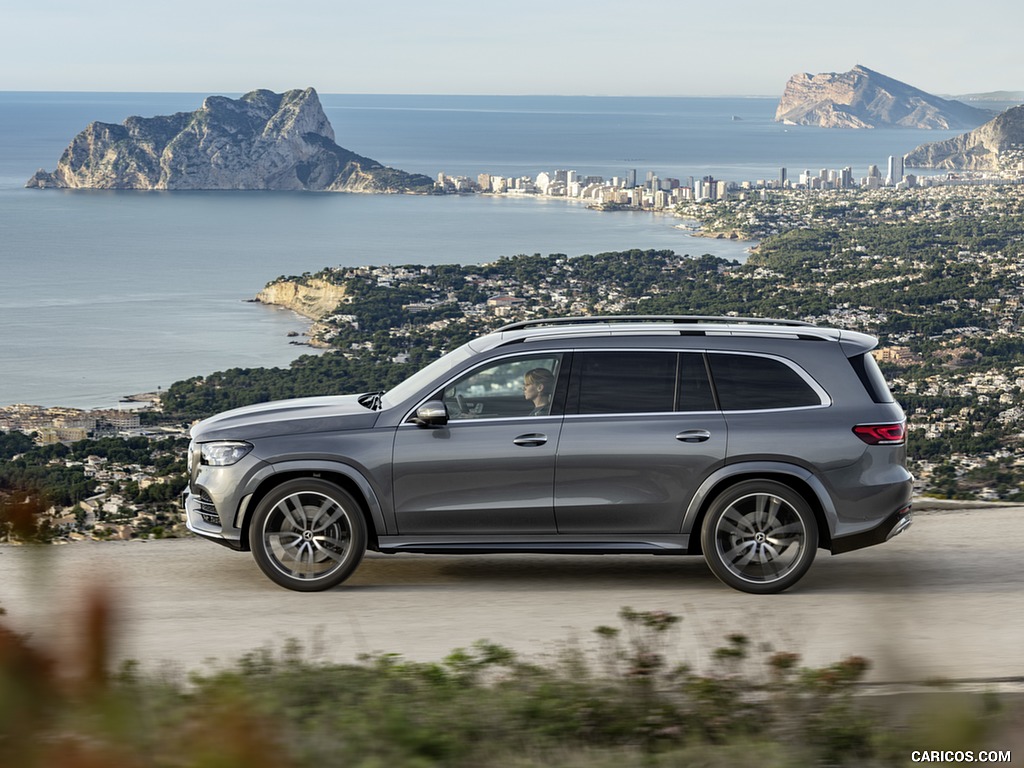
732, 473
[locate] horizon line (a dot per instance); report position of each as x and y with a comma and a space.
396, 93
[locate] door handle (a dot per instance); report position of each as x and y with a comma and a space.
534, 438
693, 436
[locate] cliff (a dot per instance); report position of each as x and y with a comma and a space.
862, 98
314, 298
263, 140
997, 145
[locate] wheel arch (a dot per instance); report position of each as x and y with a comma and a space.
345, 477
800, 480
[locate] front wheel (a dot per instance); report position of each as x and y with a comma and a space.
308, 535
759, 536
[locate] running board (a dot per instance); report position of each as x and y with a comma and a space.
663, 544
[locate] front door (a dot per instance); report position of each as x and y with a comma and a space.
490, 469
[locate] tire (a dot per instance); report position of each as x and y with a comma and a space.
308, 535
759, 536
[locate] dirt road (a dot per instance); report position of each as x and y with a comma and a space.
944, 600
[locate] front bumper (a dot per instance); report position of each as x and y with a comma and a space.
201, 518
217, 497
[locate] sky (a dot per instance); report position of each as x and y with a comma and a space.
563, 47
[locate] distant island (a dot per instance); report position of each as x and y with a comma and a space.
862, 98
261, 141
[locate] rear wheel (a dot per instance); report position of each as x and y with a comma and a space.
759, 536
308, 535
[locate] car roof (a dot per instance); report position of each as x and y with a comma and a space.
852, 342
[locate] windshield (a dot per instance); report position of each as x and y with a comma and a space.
425, 376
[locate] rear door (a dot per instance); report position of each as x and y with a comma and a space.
641, 432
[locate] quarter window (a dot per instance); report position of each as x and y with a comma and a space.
754, 383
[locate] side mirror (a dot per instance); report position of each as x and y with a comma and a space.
433, 413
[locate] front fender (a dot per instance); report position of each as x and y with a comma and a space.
324, 469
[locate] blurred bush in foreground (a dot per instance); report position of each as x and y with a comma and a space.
481, 707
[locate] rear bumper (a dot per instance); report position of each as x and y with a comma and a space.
893, 525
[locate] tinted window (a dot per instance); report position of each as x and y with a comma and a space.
749, 382
871, 377
627, 382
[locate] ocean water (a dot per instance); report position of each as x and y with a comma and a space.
104, 294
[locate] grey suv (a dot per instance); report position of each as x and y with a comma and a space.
753, 442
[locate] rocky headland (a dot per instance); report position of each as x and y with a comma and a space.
261, 141
996, 146
313, 298
862, 98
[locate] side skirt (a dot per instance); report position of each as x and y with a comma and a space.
662, 544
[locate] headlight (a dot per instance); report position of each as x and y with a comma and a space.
224, 453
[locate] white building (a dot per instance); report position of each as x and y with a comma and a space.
895, 172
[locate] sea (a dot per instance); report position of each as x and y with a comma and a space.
107, 294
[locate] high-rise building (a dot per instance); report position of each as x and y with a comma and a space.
782, 177
631, 178
895, 173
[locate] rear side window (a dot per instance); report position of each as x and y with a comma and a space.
754, 383
871, 377
627, 382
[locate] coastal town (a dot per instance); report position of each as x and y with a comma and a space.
934, 270
656, 193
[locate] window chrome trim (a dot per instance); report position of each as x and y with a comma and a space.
786, 409
487, 420
637, 414
825, 400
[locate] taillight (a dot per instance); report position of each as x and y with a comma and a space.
881, 434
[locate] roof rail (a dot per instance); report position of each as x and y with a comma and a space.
680, 319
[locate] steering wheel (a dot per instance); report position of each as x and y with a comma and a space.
463, 405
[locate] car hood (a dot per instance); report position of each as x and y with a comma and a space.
285, 417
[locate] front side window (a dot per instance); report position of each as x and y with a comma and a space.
755, 383
509, 388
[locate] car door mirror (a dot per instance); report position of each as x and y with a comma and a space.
433, 413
